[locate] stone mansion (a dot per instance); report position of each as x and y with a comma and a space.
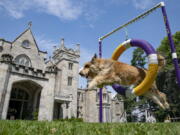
30, 84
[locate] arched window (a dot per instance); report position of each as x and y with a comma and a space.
23, 60
26, 43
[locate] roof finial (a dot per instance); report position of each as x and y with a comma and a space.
78, 47
62, 43
30, 24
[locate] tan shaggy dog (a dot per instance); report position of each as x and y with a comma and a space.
103, 72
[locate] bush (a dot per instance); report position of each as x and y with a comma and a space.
35, 115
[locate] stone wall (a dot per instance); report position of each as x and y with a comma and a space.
88, 108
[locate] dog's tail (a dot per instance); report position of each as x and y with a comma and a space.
161, 62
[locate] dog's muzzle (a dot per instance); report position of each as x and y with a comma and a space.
80, 72
83, 75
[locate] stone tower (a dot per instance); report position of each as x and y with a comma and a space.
67, 61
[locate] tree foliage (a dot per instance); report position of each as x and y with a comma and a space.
166, 80
138, 59
167, 84
164, 49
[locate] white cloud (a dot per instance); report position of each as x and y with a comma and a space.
86, 55
117, 2
45, 44
138, 4
142, 4
16, 8
67, 9
63, 9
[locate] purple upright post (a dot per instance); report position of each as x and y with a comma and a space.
100, 48
172, 46
100, 90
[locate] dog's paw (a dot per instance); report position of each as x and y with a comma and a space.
92, 85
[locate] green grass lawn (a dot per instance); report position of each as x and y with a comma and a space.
18, 127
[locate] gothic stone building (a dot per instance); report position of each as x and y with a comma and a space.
88, 106
30, 85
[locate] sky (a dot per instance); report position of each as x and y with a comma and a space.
84, 21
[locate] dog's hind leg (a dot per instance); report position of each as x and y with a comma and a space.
158, 97
155, 100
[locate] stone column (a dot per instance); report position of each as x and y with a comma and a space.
104, 114
36, 99
46, 107
109, 111
4, 80
113, 111
6, 101
67, 106
107, 114
69, 110
64, 110
91, 109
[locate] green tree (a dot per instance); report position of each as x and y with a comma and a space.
167, 84
166, 79
139, 58
164, 49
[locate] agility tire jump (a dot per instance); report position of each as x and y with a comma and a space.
152, 66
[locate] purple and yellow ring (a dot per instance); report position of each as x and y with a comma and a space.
152, 66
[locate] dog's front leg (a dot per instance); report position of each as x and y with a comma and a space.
100, 81
92, 84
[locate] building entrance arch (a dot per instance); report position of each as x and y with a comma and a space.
24, 100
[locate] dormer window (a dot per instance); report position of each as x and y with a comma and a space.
26, 43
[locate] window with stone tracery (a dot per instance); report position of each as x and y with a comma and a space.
23, 60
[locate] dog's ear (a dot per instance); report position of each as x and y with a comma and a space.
94, 57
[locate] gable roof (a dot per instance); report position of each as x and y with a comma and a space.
33, 39
2, 39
